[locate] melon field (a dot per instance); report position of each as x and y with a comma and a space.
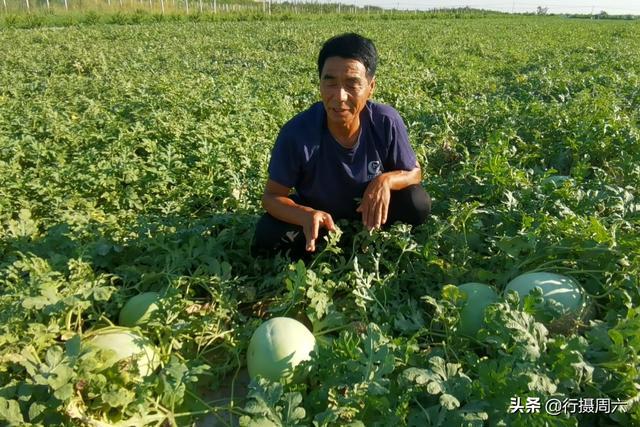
133, 159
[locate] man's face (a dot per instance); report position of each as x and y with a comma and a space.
345, 89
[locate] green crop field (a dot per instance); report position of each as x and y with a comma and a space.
133, 159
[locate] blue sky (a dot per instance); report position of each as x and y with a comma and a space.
612, 7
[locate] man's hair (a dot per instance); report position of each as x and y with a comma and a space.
350, 46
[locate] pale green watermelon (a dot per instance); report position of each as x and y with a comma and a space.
138, 309
556, 287
121, 344
277, 346
479, 296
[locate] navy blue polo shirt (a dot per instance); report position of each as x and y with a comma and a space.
329, 177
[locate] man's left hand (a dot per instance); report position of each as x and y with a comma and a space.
374, 206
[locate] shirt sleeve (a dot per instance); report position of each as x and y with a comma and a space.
284, 165
400, 155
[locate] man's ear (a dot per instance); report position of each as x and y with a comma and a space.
372, 85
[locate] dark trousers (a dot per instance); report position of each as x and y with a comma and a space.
411, 205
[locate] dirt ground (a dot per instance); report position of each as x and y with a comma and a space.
235, 391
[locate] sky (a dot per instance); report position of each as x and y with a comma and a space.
612, 7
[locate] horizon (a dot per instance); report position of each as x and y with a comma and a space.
615, 7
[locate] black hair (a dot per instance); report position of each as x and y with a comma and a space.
350, 46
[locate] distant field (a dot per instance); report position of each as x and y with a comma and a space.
133, 158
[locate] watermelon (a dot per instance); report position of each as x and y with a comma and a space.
277, 346
121, 344
479, 296
562, 290
138, 309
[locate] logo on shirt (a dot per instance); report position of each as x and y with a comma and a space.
374, 169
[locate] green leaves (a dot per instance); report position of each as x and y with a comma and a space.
513, 332
268, 406
118, 397
10, 411
445, 380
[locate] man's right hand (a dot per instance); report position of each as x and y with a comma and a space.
311, 227
275, 200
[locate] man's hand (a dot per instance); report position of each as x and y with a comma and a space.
311, 227
276, 202
375, 202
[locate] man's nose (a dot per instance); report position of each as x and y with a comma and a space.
342, 94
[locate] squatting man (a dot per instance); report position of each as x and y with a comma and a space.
346, 157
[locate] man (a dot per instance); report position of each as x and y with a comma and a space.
346, 157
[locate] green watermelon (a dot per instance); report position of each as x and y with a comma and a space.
479, 296
138, 309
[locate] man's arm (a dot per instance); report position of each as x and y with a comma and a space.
377, 196
399, 180
275, 200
